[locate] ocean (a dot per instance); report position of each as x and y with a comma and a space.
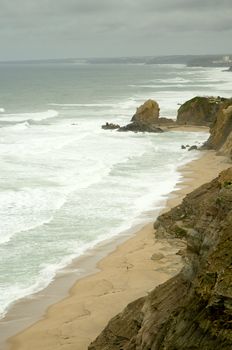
66, 184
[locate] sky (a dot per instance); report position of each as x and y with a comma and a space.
34, 29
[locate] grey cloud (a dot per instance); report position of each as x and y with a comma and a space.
182, 5
114, 26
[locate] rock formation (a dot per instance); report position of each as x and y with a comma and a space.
110, 126
193, 310
165, 121
146, 119
139, 127
193, 148
148, 113
199, 111
221, 131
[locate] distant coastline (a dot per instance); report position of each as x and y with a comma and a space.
217, 60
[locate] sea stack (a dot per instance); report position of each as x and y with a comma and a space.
145, 119
147, 113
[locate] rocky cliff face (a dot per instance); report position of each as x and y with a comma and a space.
193, 310
199, 111
221, 131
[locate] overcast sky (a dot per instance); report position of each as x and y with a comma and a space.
93, 28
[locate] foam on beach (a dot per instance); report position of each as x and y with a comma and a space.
65, 183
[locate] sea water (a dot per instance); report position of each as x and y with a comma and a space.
66, 184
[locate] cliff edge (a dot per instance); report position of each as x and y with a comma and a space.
199, 111
193, 310
221, 130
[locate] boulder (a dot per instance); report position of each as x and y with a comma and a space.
200, 111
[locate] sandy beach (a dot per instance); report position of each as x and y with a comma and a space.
130, 271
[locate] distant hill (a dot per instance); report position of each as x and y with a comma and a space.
211, 61
189, 60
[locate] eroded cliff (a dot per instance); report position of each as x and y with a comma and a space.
193, 310
199, 110
221, 131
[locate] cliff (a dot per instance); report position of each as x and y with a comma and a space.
200, 111
221, 130
193, 310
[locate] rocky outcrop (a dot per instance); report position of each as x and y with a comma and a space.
110, 126
221, 131
200, 111
165, 121
193, 148
193, 310
137, 127
144, 120
148, 113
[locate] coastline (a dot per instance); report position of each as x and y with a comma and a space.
122, 276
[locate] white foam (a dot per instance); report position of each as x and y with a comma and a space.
123, 195
2, 110
36, 116
69, 187
100, 105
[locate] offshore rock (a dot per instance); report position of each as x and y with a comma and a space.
193, 310
148, 113
199, 111
110, 126
139, 127
193, 148
145, 119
